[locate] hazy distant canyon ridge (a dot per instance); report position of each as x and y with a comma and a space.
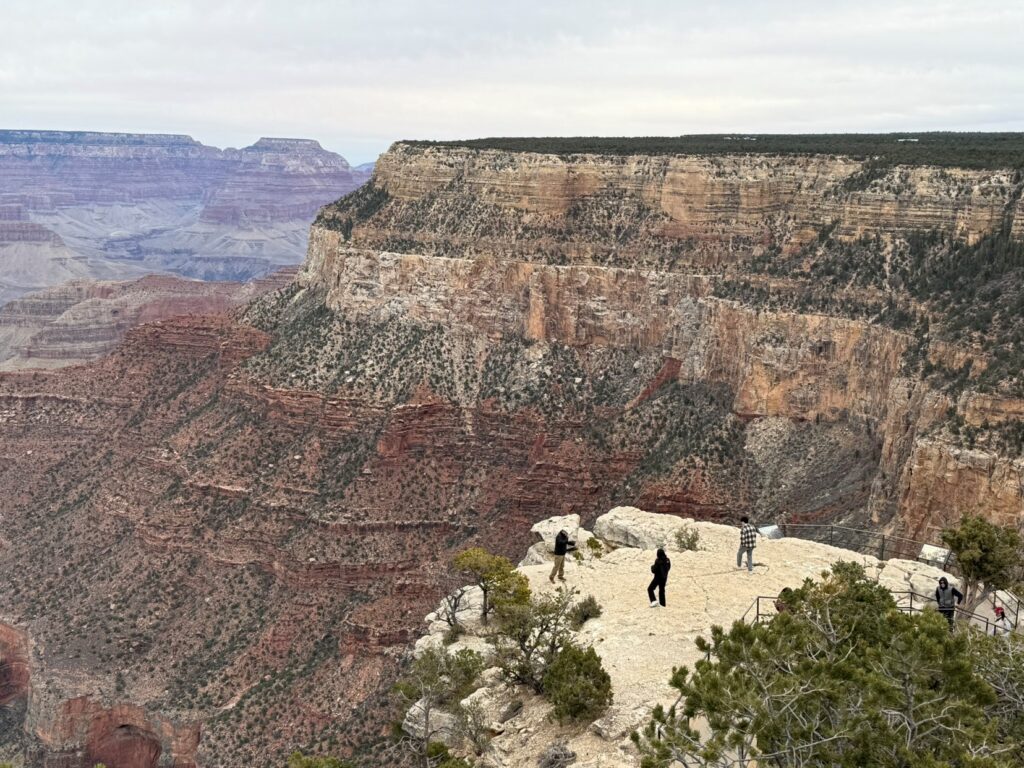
116, 206
220, 539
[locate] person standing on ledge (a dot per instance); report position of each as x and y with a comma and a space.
660, 570
562, 546
948, 598
748, 540
1003, 625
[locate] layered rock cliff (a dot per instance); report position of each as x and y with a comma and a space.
244, 518
645, 252
115, 206
655, 211
83, 320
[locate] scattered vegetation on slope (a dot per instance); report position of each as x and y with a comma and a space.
930, 284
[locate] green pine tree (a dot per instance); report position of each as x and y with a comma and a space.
842, 678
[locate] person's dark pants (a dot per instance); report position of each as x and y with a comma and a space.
661, 591
750, 558
949, 613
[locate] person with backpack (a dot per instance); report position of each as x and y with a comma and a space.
660, 569
562, 546
948, 598
748, 540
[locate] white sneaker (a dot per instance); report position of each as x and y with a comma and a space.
654, 603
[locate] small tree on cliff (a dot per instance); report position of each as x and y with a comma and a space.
497, 578
989, 557
530, 634
435, 683
577, 684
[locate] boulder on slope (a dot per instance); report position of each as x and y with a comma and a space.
632, 527
543, 551
548, 529
442, 726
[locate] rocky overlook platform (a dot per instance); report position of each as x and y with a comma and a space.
639, 646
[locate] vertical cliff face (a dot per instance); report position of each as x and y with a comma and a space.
677, 255
230, 526
650, 210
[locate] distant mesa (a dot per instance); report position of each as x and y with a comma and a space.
115, 206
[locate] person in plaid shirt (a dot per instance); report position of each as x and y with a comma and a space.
748, 540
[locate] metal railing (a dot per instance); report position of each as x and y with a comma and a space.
884, 547
764, 609
881, 545
915, 603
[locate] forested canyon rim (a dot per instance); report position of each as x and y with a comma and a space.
241, 519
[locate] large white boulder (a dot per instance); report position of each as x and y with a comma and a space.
632, 527
469, 606
441, 727
539, 554
548, 529
487, 704
465, 642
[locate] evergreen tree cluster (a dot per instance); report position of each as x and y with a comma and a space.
942, 148
842, 677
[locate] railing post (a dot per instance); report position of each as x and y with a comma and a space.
881, 555
830, 535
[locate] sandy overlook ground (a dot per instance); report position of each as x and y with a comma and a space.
640, 645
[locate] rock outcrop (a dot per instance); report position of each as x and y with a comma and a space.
663, 211
114, 206
639, 646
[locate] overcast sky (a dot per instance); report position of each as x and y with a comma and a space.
358, 75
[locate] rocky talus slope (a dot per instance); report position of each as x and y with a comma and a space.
82, 320
232, 525
112, 206
639, 646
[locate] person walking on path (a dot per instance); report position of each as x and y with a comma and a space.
1003, 625
660, 569
748, 540
562, 546
948, 598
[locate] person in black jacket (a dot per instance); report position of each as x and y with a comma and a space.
660, 570
948, 598
562, 546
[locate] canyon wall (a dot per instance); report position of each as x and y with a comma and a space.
663, 211
624, 251
222, 535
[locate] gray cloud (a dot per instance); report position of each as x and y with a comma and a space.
357, 75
